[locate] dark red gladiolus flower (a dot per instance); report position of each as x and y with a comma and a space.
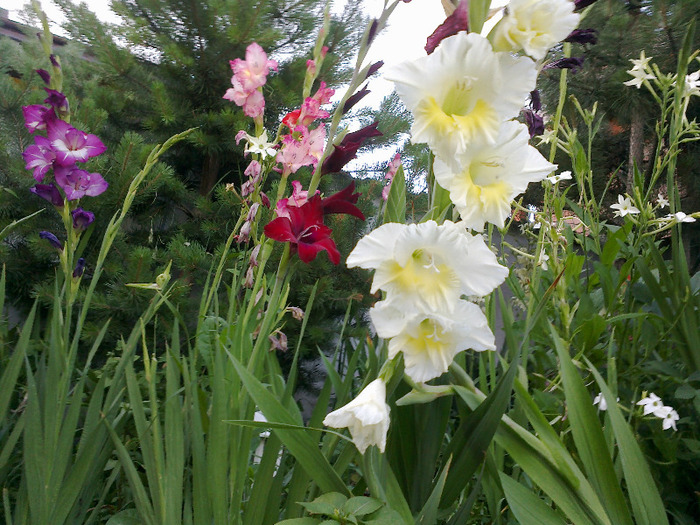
535, 101
347, 149
573, 63
372, 31
453, 24
535, 123
343, 202
582, 4
354, 99
582, 36
374, 68
305, 230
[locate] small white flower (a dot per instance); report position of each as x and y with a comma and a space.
366, 417
258, 145
662, 201
640, 72
669, 417
652, 405
600, 401
564, 175
624, 207
543, 260
692, 84
680, 217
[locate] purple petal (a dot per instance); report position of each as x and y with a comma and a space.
535, 102
79, 268
57, 101
77, 183
82, 218
39, 157
374, 68
535, 123
48, 192
582, 4
453, 24
53, 240
372, 31
36, 117
45, 76
54, 61
72, 145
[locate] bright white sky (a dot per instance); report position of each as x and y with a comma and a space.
404, 39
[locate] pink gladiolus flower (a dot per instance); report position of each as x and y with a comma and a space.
305, 231
77, 183
39, 157
298, 198
393, 168
310, 110
252, 72
305, 151
72, 145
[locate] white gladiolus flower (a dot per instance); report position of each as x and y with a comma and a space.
484, 180
427, 265
429, 341
366, 417
534, 26
462, 92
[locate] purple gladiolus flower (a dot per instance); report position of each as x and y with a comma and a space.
45, 76
54, 61
57, 101
573, 63
347, 149
48, 192
82, 218
535, 101
77, 183
53, 240
79, 268
39, 157
582, 36
36, 117
354, 99
453, 24
72, 145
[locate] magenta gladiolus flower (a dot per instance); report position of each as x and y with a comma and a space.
56, 100
82, 218
36, 117
77, 183
39, 157
305, 231
72, 145
45, 76
48, 192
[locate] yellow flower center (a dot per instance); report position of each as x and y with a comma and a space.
425, 276
428, 339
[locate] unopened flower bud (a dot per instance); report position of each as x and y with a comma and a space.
53, 240
79, 268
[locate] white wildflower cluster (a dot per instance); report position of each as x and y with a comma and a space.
653, 405
464, 97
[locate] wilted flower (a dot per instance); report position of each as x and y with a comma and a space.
428, 265
429, 340
534, 26
623, 207
485, 179
462, 92
366, 417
